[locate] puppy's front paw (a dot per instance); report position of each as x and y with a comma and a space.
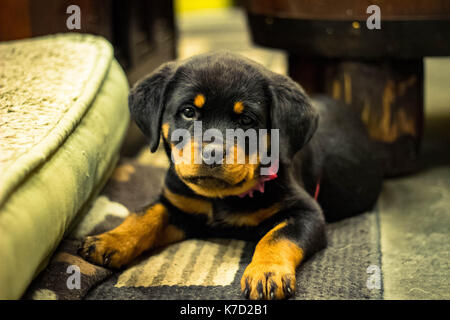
268, 281
108, 250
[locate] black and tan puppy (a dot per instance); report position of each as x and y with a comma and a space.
331, 159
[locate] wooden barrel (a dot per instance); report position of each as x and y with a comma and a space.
377, 72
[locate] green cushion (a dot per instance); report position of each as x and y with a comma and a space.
63, 116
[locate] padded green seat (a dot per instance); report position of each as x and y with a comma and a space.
63, 116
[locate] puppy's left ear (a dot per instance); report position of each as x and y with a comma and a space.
147, 102
293, 114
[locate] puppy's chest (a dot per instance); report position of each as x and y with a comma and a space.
245, 213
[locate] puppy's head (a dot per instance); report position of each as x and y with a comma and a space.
217, 97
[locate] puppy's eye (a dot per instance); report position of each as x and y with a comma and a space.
189, 113
246, 121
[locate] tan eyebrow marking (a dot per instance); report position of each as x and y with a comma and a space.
238, 107
165, 130
199, 100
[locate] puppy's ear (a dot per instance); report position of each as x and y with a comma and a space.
293, 114
147, 102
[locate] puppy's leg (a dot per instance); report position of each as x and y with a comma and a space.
137, 233
271, 273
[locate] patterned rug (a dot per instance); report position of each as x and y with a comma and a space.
349, 268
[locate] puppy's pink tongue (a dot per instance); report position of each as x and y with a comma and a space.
259, 186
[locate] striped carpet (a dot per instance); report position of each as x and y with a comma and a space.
212, 269
211, 262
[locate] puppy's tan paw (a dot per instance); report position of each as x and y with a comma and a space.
268, 281
108, 250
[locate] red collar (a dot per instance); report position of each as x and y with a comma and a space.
316, 193
259, 186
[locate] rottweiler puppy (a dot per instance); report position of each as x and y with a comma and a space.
324, 165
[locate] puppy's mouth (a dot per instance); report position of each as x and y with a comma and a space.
212, 182
218, 182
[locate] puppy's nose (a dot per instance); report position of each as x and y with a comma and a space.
212, 154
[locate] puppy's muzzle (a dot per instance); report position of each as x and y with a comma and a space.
213, 155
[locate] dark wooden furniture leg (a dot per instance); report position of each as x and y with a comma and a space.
388, 95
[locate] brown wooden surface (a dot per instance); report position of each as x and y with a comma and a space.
387, 95
341, 39
15, 21
350, 9
49, 16
30, 18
